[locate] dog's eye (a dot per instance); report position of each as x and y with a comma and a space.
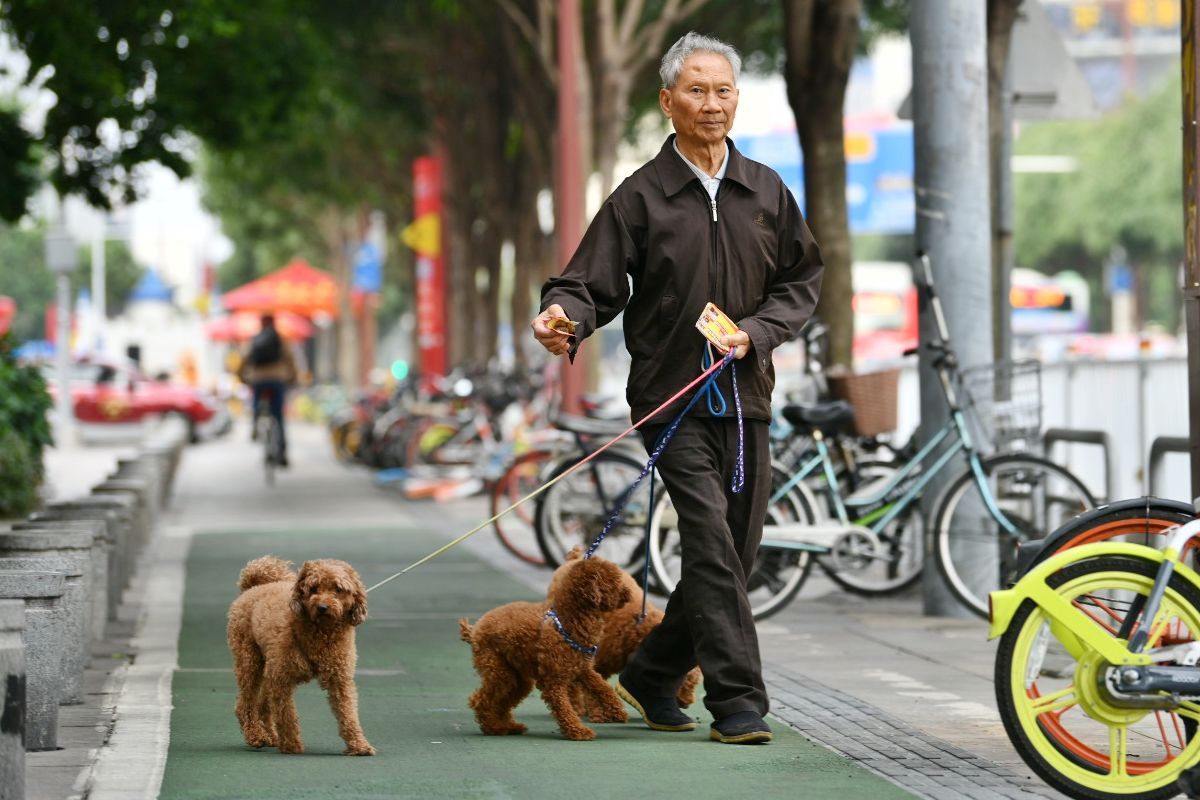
337, 589
312, 590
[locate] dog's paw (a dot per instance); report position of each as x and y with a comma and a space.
602, 715
580, 734
359, 749
291, 747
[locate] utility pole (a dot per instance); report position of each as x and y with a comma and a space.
61, 259
1190, 32
568, 203
950, 132
99, 301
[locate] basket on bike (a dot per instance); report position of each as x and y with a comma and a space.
874, 396
1006, 397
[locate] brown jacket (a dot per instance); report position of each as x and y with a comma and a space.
751, 254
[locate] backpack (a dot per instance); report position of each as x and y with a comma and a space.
265, 348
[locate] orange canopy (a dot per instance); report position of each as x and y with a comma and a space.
298, 287
242, 326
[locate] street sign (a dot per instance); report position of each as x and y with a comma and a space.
61, 252
368, 269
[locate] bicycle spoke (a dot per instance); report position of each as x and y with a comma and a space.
1055, 702
1118, 750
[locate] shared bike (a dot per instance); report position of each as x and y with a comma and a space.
1098, 664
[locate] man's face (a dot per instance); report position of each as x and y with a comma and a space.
702, 103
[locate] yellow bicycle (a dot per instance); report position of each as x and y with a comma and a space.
1098, 665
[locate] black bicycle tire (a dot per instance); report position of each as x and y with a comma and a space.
1006, 705
542, 525
500, 501
941, 536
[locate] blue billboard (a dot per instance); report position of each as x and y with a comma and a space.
879, 174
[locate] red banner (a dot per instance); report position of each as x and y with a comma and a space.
425, 236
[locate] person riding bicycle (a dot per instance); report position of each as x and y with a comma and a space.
268, 367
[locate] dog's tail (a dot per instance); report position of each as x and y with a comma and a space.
464, 630
267, 569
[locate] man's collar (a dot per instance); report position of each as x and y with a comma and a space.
674, 174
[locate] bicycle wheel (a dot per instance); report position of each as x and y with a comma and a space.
778, 573
1139, 521
516, 530
975, 554
1050, 688
573, 511
268, 432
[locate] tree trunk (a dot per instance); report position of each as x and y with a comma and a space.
1001, 16
820, 39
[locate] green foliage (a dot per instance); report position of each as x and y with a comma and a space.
24, 402
18, 476
1125, 195
18, 166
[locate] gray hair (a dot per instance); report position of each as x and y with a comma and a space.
692, 42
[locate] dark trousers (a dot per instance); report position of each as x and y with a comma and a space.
707, 620
273, 391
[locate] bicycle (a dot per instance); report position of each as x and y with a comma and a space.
1096, 671
873, 541
267, 431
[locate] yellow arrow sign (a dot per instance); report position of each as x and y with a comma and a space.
424, 235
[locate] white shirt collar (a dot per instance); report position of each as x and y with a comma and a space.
711, 182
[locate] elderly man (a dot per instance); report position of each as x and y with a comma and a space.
698, 223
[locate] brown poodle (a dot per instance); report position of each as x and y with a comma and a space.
286, 629
623, 632
550, 645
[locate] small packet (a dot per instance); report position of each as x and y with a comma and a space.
715, 325
561, 325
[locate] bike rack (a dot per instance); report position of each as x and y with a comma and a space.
1158, 451
1053, 436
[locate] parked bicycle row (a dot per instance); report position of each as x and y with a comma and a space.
846, 498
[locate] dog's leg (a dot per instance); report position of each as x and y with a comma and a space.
279, 696
558, 700
687, 691
343, 700
605, 706
248, 671
501, 690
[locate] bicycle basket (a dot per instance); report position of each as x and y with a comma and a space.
874, 396
1006, 400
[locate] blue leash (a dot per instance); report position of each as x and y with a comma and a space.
660, 445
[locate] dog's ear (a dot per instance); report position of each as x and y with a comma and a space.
356, 614
298, 591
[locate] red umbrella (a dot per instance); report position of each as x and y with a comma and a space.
244, 325
299, 287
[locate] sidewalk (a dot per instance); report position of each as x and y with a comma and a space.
889, 703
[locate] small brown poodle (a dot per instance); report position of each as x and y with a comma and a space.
286, 629
623, 632
549, 645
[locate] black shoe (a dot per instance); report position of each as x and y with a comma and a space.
282, 461
743, 727
254, 433
660, 713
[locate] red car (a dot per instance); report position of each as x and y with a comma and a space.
111, 398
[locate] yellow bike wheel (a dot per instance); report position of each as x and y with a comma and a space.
1049, 687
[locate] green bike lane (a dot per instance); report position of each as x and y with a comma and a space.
414, 676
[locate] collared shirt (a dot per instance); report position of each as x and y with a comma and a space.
711, 182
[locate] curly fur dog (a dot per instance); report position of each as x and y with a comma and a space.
623, 632
517, 646
286, 629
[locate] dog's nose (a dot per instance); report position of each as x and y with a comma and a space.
322, 609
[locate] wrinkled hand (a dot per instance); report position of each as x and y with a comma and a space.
740, 341
555, 341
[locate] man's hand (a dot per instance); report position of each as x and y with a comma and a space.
556, 342
740, 341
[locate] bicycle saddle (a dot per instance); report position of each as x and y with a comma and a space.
587, 426
828, 416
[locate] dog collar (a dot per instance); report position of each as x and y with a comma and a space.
589, 651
